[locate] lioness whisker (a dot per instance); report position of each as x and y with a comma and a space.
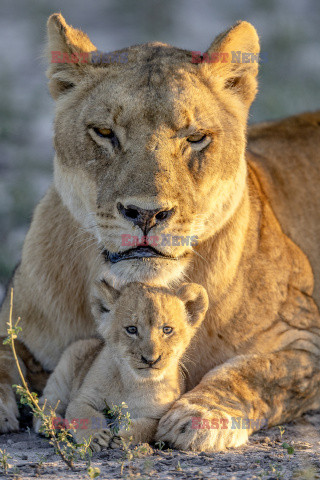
80, 252
199, 255
81, 242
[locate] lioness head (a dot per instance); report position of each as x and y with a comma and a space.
148, 328
151, 145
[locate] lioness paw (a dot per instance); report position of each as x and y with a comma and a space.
190, 427
8, 411
37, 424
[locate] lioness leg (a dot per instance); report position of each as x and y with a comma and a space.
9, 376
272, 388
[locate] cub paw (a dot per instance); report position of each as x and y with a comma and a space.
116, 442
101, 440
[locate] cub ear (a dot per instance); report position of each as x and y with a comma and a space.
103, 298
195, 299
235, 56
68, 53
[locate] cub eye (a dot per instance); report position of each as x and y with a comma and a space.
132, 330
167, 330
196, 138
104, 132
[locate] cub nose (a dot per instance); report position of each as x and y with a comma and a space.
145, 219
150, 361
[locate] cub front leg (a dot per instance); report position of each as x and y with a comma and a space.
240, 396
89, 424
9, 376
92, 425
67, 376
140, 430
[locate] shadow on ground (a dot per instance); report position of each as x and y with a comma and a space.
263, 457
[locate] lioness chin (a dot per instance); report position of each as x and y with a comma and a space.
156, 147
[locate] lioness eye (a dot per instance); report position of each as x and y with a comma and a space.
132, 330
103, 309
167, 330
107, 134
196, 138
104, 132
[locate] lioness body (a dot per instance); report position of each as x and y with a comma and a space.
135, 158
286, 155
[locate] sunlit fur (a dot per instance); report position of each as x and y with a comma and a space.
252, 198
82, 385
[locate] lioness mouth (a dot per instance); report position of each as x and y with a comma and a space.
148, 368
132, 253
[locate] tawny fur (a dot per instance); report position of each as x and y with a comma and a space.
255, 211
82, 385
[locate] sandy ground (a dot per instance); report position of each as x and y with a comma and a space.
262, 458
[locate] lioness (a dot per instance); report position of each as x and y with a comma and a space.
156, 147
146, 330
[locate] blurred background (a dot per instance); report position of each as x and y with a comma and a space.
289, 78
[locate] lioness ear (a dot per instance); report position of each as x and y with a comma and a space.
103, 298
196, 301
234, 54
68, 53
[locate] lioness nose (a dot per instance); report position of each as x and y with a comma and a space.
145, 219
150, 361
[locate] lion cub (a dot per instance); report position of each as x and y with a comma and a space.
145, 332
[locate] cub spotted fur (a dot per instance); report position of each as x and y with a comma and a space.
145, 330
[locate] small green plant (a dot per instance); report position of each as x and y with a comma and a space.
93, 472
118, 418
178, 467
129, 453
288, 447
160, 445
4, 457
61, 439
282, 430
273, 470
277, 471
285, 445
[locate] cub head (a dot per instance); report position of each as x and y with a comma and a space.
148, 328
151, 144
